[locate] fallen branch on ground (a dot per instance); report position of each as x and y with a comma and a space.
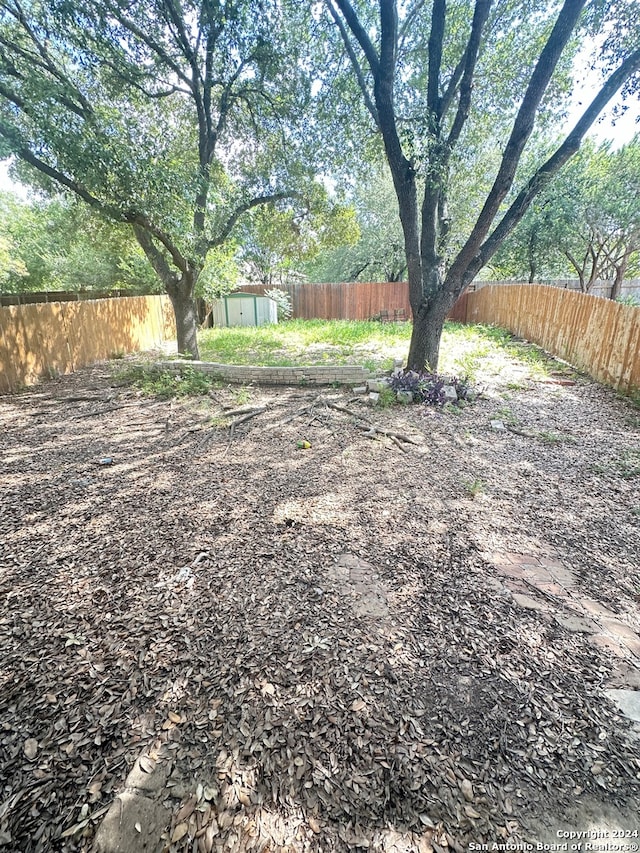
246, 417
373, 431
245, 410
302, 411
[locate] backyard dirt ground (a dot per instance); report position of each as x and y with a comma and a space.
365, 642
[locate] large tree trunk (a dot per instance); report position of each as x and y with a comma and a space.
180, 288
186, 314
428, 322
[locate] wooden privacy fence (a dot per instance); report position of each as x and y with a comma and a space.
595, 335
358, 300
58, 337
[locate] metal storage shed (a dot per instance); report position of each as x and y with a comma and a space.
244, 309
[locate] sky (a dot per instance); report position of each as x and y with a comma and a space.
617, 129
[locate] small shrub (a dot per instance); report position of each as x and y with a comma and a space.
629, 299
474, 487
428, 388
155, 382
282, 300
387, 397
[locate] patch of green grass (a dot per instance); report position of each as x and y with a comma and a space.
387, 398
219, 422
474, 487
550, 437
629, 464
467, 349
633, 397
626, 465
242, 395
154, 382
505, 414
308, 342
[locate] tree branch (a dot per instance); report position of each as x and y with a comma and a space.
480, 17
244, 208
155, 47
143, 221
132, 217
436, 40
553, 165
447, 99
434, 226
154, 255
411, 15
522, 127
360, 34
130, 80
362, 83
46, 62
24, 153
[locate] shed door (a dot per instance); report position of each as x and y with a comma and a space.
242, 312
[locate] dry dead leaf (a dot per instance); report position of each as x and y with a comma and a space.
186, 810
147, 764
179, 832
30, 748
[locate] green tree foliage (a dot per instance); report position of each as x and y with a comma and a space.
378, 254
277, 243
13, 270
61, 244
588, 221
449, 86
173, 118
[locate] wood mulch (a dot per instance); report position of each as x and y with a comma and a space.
317, 630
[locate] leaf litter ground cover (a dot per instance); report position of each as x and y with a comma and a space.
320, 635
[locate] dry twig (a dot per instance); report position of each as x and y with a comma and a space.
246, 417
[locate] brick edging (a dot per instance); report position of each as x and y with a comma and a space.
303, 375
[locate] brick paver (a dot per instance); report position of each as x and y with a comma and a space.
524, 574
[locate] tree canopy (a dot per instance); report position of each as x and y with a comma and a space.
62, 244
378, 253
175, 118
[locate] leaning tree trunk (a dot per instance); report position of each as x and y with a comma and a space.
180, 288
186, 314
